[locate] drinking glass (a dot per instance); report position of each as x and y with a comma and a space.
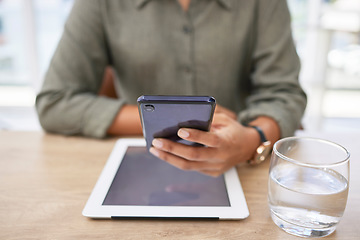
308, 185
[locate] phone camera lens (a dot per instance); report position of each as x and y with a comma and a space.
149, 108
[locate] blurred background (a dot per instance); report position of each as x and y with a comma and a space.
326, 34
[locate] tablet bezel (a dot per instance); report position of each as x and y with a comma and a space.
237, 210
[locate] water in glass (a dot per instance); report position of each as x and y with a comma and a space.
312, 198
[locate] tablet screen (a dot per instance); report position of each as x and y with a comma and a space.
145, 180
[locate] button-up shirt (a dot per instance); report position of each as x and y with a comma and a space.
239, 51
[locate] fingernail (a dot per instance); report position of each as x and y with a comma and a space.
183, 133
157, 143
154, 152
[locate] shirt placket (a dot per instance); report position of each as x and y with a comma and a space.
187, 68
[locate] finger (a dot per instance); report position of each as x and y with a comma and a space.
181, 163
184, 151
212, 173
216, 172
209, 139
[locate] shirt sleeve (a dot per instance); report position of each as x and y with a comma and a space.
276, 91
68, 102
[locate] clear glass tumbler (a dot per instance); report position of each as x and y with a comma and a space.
308, 185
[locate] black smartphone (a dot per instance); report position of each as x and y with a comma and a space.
163, 116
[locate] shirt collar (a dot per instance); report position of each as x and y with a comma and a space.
224, 3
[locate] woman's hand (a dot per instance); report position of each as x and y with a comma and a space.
226, 144
228, 112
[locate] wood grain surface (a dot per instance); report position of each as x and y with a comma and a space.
45, 181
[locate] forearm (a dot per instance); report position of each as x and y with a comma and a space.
276, 92
68, 102
126, 122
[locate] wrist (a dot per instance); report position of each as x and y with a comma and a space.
126, 122
253, 141
269, 126
263, 146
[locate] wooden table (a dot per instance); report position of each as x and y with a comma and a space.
45, 181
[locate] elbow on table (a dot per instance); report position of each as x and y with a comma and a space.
51, 116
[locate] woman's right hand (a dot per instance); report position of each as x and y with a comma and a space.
228, 112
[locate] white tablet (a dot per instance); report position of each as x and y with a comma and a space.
134, 183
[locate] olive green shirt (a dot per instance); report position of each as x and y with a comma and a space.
239, 51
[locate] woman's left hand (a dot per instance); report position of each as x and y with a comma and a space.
226, 144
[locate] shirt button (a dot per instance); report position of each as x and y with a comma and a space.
187, 29
188, 69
